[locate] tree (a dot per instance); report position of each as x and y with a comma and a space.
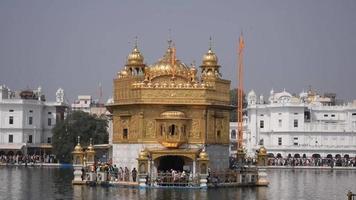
233, 101
77, 123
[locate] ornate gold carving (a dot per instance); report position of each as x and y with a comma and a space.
195, 128
150, 129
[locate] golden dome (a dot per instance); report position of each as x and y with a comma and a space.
78, 149
124, 72
164, 66
203, 154
210, 59
143, 154
135, 57
173, 115
262, 150
91, 147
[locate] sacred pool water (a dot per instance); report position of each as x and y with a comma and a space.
55, 183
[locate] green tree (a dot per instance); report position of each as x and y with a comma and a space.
233, 101
77, 123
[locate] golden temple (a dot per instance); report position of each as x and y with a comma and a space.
170, 111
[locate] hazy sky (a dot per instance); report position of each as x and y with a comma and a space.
77, 44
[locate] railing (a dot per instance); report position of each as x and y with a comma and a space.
173, 179
233, 177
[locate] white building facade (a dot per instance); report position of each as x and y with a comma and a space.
304, 126
26, 121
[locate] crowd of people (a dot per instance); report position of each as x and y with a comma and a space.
173, 177
330, 162
27, 159
113, 172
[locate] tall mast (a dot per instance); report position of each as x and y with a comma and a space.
240, 92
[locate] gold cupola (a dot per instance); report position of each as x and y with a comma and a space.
210, 59
168, 65
210, 67
134, 61
135, 57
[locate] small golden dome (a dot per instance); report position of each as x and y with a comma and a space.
173, 115
124, 72
78, 149
193, 69
135, 57
262, 150
203, 155
91, 147
210, 59
143, 154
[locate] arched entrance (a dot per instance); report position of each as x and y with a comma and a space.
166, 163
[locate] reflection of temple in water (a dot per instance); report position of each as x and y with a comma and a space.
171, 112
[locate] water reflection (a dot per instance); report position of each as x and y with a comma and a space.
54, 183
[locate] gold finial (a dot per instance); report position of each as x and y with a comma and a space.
136, 38
91, 141
210, 43
78, 140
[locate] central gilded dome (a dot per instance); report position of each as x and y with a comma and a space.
165, 66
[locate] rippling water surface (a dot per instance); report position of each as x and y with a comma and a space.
285, 184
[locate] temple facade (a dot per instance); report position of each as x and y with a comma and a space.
170, 112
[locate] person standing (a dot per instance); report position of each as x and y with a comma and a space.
134, 174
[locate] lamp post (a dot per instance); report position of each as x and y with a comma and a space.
78, 161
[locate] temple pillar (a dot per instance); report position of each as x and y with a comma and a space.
142, 168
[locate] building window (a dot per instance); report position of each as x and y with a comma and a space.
295, 123
280, 123
29, 139
326, 115
279, 141
172, 129
125, 133
11, 110
332, 115
11, 138
161, 129
261, 115
233, 134
31, 111
262, 124
279, 113
307, 116
11, 120
49, 140
295, 141
295, 113
49, 113
30, 120
354, 114
49, 122
218, 133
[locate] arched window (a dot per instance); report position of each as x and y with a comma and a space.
172, 129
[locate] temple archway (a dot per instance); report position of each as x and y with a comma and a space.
166, 163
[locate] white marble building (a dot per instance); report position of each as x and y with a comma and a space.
308, 124
26, 120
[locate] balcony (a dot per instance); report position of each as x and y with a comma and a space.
173, 141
